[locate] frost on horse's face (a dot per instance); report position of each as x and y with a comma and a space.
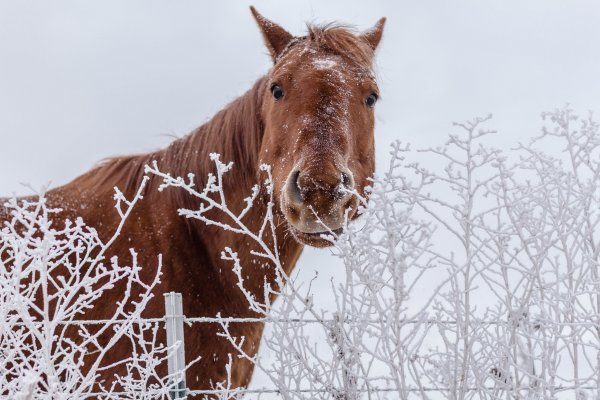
318, 115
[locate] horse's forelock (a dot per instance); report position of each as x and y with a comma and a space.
338, 39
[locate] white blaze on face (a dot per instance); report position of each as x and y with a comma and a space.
324, 63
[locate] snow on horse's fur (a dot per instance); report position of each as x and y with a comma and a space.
320, 126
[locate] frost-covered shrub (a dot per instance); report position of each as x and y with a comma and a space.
50, 274
476, 279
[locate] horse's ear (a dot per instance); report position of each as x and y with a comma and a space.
276, 38
373, 35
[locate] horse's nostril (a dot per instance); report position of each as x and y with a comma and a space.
295, 178
347, 181
295, 185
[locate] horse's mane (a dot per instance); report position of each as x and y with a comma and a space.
235, 132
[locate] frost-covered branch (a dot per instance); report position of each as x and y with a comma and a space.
51, 274
477, 279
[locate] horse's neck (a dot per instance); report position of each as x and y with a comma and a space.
235, 133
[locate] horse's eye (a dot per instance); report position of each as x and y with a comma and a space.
277, 92
371, 99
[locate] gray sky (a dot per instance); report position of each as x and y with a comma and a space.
80, 81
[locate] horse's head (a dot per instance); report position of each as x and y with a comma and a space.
318, 115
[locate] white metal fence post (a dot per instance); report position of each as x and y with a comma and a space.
174, 326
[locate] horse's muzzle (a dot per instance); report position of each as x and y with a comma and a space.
318, 202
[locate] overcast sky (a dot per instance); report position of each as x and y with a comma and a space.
80, 81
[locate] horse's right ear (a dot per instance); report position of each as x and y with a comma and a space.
373, 35
276, 38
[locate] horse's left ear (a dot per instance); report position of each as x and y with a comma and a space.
373, 35
276, 38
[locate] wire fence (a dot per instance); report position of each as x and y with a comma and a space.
174, 321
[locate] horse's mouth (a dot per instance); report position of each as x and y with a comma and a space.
316, 239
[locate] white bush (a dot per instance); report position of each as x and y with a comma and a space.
49, 276
478, 279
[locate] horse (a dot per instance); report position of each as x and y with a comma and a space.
311, 118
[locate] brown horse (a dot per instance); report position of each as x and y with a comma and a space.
311, 118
